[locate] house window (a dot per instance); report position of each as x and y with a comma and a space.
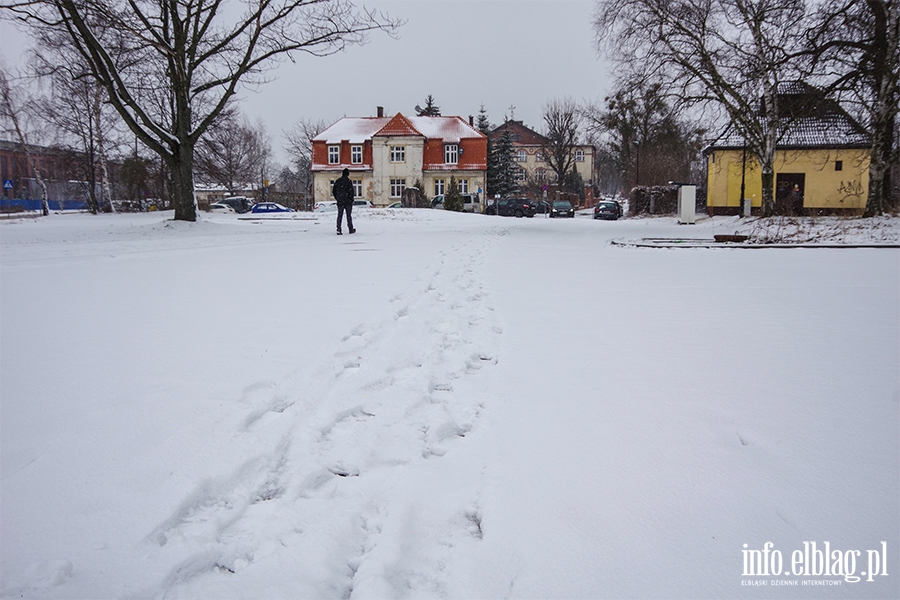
579, 156
539, 157
357, 187
463, 186
521, 156
838, 165
397, 187
356, 155
398, 154
438, 187
541, 175
451, 154
520, 174
334, 155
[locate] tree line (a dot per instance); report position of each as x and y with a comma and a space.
161, 74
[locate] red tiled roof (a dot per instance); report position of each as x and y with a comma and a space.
399, 125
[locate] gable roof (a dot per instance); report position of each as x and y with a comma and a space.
809, 120
399, 125
521, 135
359, 129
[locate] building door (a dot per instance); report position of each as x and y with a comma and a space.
789, 193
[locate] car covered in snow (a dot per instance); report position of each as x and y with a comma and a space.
218, 207
609, 210
269, 207
325, 206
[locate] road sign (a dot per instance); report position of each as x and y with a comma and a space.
7, 184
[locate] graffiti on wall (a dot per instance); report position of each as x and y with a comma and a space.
850, 190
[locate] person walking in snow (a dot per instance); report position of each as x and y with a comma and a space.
343, 193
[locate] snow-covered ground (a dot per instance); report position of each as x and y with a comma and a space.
442, 406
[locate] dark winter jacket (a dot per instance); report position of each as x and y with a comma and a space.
343, 191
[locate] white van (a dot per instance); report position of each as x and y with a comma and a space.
471, 202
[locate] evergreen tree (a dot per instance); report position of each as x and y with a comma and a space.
502, 168
574, 183
431, 109
484, 125
453, 199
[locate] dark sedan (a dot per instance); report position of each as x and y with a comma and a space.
513, 207
562, 208
607, 209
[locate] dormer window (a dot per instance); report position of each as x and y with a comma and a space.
451, 154
356, 155
334, 155
398, 154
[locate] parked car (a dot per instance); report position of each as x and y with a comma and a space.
362, 204
325, 206
269, 207
220, 207
562, 208
240, 204
471, 202
395, 205
511, 207
541, 207
608, 209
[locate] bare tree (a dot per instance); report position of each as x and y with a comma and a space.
75, 105
171, 68
561, 120
644, 134
857, 44
299, 147
730, 53
233, 153
12, 110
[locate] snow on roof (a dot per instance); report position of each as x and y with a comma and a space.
823, 131
360, 129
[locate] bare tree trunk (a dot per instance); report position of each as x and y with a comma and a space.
886, 17
767, 161
101, 147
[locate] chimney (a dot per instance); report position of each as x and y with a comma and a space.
471, 121
380, 111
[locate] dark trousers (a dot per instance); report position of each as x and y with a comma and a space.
340, 216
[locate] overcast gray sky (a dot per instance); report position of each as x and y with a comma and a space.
465, 53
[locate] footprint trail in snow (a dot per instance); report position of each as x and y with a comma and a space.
356, 487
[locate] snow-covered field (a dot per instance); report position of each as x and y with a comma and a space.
443, 406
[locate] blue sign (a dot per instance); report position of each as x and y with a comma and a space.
7, 184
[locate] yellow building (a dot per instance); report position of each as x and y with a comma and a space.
821, 161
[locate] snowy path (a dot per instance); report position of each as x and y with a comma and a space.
349, 494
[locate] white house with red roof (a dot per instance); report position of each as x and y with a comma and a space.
385, 155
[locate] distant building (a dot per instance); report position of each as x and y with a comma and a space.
62, 171
528, 147
821, 160
385, 155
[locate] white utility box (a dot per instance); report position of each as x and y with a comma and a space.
687, 199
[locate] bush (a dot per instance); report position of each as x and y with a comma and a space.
655, 200
453, 199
